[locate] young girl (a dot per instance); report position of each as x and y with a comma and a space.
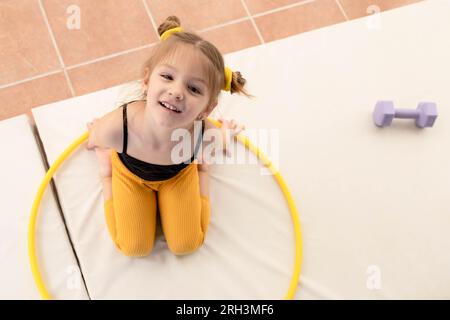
182, 82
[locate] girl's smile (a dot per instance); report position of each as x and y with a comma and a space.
170, 107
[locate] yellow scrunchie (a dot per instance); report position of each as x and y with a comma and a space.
227, 71
169, 32
228, 77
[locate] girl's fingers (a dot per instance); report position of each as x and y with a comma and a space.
239, 128
88, 147
91, 123
236, 132
231, 124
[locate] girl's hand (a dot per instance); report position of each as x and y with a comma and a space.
230, 129
89, 125
202, 165
234, 127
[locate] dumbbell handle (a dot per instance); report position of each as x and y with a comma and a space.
406, 113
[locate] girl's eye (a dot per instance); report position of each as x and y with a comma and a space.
197, 91
194, 89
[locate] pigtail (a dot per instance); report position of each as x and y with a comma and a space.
237, 84
170, 23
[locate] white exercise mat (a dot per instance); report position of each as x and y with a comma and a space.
248, 250
21, 172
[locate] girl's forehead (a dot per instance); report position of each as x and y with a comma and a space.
187, 59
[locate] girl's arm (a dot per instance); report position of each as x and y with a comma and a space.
105, 132
203, 177
228, 130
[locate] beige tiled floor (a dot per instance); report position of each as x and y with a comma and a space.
43, 58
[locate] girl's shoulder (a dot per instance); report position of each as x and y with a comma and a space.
132, 109
109, 131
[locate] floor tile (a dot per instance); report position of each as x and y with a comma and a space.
302, 18
233, 37
106, 27
26, 48
22, 97
197, 14
108, 73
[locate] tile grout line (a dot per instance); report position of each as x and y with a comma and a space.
110, 56
342, 9
58, 53
41, 75
149, 14
261, 39
289, 6
225, 24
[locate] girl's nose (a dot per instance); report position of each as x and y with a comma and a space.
176, 92
178, 96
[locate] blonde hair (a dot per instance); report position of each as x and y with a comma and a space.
214, 69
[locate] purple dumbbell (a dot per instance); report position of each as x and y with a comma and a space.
425, 114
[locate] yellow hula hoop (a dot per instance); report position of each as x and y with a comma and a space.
244, 140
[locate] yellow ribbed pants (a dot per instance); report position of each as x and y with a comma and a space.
131, 212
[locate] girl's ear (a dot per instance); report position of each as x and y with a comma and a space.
146, 73
146, 79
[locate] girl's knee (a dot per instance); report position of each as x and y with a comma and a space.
183, 247
135, 248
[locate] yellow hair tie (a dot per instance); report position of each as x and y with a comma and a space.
228, 73
169, 32
228, 77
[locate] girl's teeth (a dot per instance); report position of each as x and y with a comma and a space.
169, 107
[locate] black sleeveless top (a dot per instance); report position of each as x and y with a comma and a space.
150, 171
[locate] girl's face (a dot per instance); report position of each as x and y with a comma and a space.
179, 84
